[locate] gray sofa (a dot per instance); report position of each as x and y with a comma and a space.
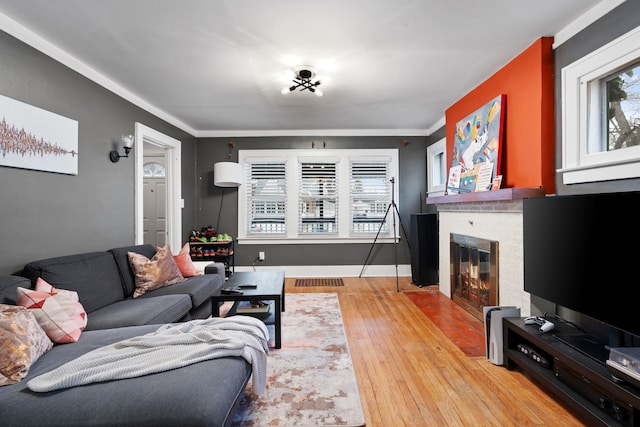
202, 394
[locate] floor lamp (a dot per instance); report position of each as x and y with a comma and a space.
226, 174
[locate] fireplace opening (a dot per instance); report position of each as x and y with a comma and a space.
474, 273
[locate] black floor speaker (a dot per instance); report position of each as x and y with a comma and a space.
424, 249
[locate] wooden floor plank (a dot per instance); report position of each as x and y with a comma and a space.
410, 374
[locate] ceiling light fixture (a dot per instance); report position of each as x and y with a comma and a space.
304, 79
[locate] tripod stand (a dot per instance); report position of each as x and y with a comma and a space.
395, 240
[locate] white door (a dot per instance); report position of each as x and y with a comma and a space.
155, 201
146, 137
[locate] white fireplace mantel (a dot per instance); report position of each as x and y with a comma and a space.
495, 217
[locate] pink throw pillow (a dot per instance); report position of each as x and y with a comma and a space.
185, 264
58, 311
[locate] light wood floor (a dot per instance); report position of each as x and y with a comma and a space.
410, 374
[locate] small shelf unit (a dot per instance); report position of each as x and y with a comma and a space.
221, 251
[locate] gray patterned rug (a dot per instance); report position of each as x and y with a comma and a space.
310, 380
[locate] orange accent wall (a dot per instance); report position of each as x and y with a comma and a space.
528, 148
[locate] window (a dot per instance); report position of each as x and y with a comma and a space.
370, 188
317, 197
600, 113
622, 100
153, 170
436, 168
303, 196
267, 197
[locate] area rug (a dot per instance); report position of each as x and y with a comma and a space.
324, 281
310, 380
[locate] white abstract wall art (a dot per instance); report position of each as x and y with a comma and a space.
33, 138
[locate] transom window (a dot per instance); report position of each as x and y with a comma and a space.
300, 196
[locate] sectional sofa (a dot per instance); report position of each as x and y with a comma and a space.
201, 394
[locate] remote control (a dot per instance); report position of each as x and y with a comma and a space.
231, 291
247, 286
544, 324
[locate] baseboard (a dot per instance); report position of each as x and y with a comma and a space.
324, 270
333, 270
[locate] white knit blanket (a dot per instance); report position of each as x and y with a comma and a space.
169, 347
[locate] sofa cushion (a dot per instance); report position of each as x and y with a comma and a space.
93, 275
23, 342
8, 285
141, 311
199, 288
159, 271
58, 311
202, 394
122, 261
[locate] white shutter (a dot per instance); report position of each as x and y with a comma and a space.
370, 196
317, 197
266, 198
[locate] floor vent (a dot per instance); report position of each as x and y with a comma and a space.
320, 282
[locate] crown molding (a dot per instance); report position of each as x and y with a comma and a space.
310, 132
27, 36
586, 19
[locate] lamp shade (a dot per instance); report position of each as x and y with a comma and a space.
227, 174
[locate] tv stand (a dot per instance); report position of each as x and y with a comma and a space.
581, 381
587, 344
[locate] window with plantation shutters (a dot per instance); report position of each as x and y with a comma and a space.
266, 198
317, 197
370, 196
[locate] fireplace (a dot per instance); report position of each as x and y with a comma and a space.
474, 272
491, 215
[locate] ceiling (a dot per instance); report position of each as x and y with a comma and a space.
216, 67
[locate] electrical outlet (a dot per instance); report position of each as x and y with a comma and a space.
261, 256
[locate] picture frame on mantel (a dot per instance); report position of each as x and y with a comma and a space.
477, 149
33, 138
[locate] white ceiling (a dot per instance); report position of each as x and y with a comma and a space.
216, 67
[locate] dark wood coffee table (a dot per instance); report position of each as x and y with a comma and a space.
269, 287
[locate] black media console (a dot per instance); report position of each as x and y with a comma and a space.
581, 381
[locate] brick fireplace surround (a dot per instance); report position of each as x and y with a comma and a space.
498, 219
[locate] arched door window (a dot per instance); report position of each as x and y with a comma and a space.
153, 170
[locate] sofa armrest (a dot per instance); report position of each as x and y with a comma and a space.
216, 268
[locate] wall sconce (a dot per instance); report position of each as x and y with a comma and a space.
227, 174
127, 142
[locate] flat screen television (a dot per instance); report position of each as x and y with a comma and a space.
583, 253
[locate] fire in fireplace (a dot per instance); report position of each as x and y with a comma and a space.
474, 273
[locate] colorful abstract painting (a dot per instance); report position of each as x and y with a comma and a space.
33, 138
477, 149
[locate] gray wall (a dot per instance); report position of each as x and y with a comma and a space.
619, 21
412, 183
45, 214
